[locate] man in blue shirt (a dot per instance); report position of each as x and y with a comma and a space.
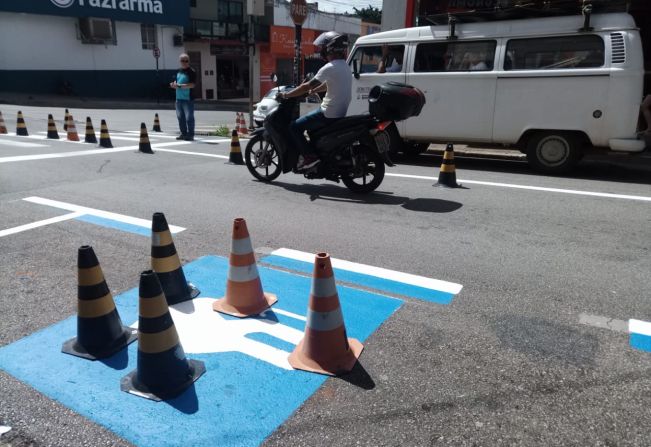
183, 84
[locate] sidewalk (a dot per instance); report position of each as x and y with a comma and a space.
27, 99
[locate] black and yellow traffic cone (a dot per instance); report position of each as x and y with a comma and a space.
21, 128
100, 332
90, 132
144, 146
156, 124
3, 126
166, 263
65, 121
104, 138
235, 156
163, 371
52, 128
448, 175
72, 129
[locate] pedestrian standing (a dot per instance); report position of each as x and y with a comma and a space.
183, 84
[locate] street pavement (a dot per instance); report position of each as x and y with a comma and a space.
532, 351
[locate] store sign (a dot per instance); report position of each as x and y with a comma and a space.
169, 12
282, 40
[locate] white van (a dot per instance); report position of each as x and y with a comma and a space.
543, 84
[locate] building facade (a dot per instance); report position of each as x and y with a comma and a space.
97, 48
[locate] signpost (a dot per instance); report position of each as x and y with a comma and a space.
298, 11
156, 53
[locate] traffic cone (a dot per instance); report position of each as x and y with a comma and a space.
235, 155
448, 175
3, 127
242, 130
90, 132
163, 371
104, 138
52, 128
325, 348
244, 295
72, 130
100, 332
21, 128
166, 263
156, 124
144, 145
65, 121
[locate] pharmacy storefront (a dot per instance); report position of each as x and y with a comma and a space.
91, 48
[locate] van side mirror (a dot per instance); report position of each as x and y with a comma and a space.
355, 69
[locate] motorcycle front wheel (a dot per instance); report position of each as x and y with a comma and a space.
262, 159
368, 172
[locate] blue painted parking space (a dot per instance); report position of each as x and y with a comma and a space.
640, 335
248, 389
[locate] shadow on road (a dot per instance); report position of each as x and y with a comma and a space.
630, 169
342, 194
359, 377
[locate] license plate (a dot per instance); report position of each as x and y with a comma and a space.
383, 142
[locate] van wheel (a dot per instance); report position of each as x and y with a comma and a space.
553, 152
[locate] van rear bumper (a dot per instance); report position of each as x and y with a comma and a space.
626, 145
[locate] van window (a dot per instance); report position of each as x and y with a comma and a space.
455, 56
379, 58
552, 53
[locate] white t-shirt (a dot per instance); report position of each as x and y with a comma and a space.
338, 77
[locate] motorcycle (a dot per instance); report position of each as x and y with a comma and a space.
354, 149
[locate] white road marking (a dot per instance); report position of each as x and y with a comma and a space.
98, 213
407, 278
40, 223
289, 314
604, 322
82, 153
13, 143
534, 188
202, 330
175, 151
639, 327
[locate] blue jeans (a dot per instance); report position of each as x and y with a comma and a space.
185, 115
312, 121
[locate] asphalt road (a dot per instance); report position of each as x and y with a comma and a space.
509, 362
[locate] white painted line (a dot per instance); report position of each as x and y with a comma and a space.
21, 144
40, 223
407, 278
151, 134
82, 153
288, 314
604, 322
534, 188
99, 213
32, 136
115, 137
639, 327
202, 154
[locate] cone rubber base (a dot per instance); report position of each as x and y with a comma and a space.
131, 385
73, 348
236, 158
223, 307
444, 185
342, 365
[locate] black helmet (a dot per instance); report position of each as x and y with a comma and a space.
331, 42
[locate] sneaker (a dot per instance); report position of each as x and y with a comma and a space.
307, 162
181, 137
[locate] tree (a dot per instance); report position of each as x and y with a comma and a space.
370, 14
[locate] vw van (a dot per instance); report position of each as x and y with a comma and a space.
550, 86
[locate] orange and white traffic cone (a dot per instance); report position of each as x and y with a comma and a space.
325, 348
72, 130
3, 127
242, 130
244, 295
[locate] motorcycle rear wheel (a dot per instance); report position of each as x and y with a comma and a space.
262, 159
368, 163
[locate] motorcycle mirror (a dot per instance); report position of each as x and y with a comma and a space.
355, 69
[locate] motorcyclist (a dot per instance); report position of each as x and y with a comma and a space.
335, 79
